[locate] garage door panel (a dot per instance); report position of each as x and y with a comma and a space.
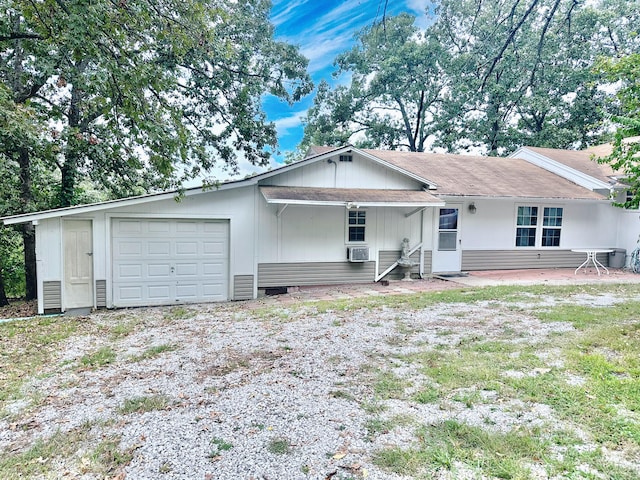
133, 248
188, 264
186, 248
130, 271
158, 226
128, 293
214, 248
159, 292
128, 226
212, 291
187, 291
162, 270
187, 227
158, 248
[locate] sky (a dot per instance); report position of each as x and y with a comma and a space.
322, 30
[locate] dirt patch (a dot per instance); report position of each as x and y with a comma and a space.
19, 309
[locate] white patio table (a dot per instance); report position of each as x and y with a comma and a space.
592, 256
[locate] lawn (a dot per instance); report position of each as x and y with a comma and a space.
502, 382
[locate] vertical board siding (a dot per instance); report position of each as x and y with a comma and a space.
243, 287
386, 258
101, 293
473, 260
52, 295
314, 273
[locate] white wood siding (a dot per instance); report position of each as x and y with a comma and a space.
493, 226
360, 173
318, 234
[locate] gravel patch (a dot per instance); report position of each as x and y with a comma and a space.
276, 395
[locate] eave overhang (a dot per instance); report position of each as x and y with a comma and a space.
349, 197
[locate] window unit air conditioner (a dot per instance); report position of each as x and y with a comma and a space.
358, 254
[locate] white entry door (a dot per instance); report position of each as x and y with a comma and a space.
447, 255
78, 264
167, 261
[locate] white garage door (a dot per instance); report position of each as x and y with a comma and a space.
160, 262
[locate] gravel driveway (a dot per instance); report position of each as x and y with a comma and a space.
231, 392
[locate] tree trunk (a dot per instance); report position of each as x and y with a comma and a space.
29, 241
3, 295
28, 230
68, 182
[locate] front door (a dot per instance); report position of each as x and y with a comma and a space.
447, 255
78, 264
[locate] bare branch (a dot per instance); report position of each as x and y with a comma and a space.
509, 39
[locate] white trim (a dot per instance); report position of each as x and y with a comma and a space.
109, 217
539, 226
395, 264
561, 169
351, 204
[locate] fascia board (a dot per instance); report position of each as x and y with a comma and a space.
124, 202
354, 204
454, 198
560, 169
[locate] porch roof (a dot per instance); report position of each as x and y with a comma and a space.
356, 197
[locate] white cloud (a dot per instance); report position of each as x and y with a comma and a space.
289, 12
286, 124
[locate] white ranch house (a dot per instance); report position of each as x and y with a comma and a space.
338, 216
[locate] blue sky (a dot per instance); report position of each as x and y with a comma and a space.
322, 30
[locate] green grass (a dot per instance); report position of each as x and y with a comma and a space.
219, 446
153, 352
426, 395
123, 328
103, 461
378, 425
100, 358
279, 446
388, 385
585, 316
342, 394
439, 446
604, 350
178, 313
507, 294
29, 348
144, 404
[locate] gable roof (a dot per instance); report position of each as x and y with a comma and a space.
443, 174
584, 161
466, 175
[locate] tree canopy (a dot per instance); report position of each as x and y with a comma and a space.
488, 76
625, 156
141, 93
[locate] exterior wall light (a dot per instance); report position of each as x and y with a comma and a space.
472, 207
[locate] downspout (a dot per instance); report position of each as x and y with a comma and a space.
335, 172
421, 269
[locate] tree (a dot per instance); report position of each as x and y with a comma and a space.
506, 73
395, 90
153, 90
625, 156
